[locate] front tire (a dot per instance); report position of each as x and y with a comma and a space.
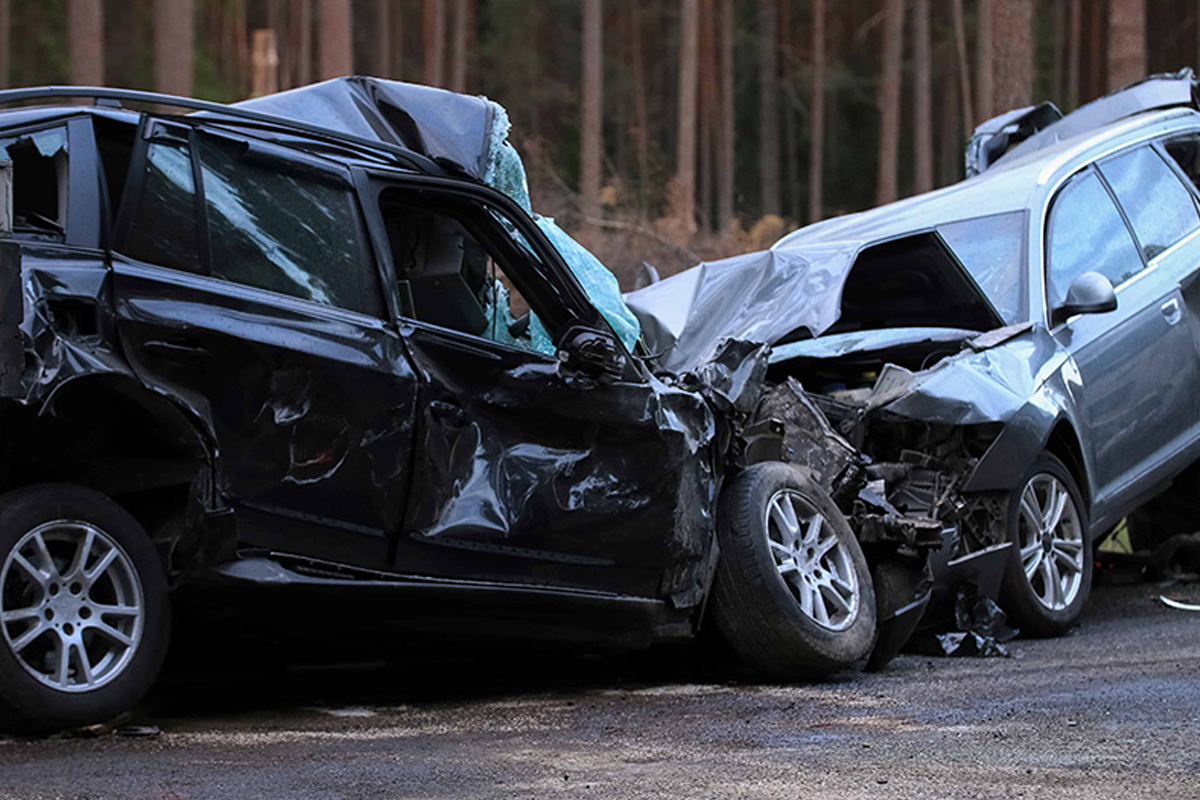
793, 594
84, 612
1049, 574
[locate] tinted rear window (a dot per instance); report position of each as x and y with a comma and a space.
1158, 205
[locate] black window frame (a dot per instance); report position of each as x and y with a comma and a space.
189, 134
83, 224
553, 293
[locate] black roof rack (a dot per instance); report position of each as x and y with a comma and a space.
415, 160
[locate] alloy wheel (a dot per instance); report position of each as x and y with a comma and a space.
71, 606
1050, 535
811, 561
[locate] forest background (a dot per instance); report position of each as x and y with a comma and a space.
664, 131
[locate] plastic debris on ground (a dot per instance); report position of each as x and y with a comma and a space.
983, 629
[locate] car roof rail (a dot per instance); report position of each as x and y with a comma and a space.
105, 96
999, 137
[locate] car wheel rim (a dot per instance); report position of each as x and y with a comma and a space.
1051, 540
71, 607
811, 561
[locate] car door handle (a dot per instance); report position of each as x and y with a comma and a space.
177, 350
1170, 310
447, 413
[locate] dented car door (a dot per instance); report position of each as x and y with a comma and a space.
529, 467
245, 290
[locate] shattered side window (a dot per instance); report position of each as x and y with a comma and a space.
1158, 205
163, 230
992, 249
1087, 233
39, 167
284, 231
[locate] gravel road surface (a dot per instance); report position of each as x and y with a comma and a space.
1111, 711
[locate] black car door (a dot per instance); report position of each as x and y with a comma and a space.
528, 470
246, 289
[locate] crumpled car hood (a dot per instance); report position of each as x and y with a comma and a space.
758, 297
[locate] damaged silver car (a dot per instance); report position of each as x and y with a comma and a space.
1017, 355
313, 357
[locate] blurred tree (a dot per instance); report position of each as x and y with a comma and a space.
5, 60
727, 117
816, 154
985, 69
593, 109
889, 100
922, 101
768, 106
383, 38
464, 14
435, 42
1126, 42
336, 44
85, 41
174, 46
684, 189
967, 105
1012, 31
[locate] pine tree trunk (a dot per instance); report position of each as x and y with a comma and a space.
950, 147
641, 107
85, 41
725, 132
383, 38
593, 109
435, 41
816, 154
1012, 30
889, 101
174, 46
302, 25
460, 51
708, 110
1126, 42
5, 44
1074, 54
684, 189
1058, 86
985, 69
768, 108
265, 57
336, 46
964, 70
922, 100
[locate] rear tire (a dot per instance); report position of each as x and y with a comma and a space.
84, 610
793, 594
1049, 574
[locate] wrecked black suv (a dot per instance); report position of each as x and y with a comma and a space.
305, 353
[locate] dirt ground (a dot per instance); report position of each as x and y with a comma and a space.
1111, 711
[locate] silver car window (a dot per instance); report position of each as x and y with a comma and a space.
1086, 232
992, 249
1158, 205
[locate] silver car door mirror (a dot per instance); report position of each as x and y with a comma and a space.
1089, 293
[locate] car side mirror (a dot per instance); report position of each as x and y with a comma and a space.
591, 352
1089, 293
